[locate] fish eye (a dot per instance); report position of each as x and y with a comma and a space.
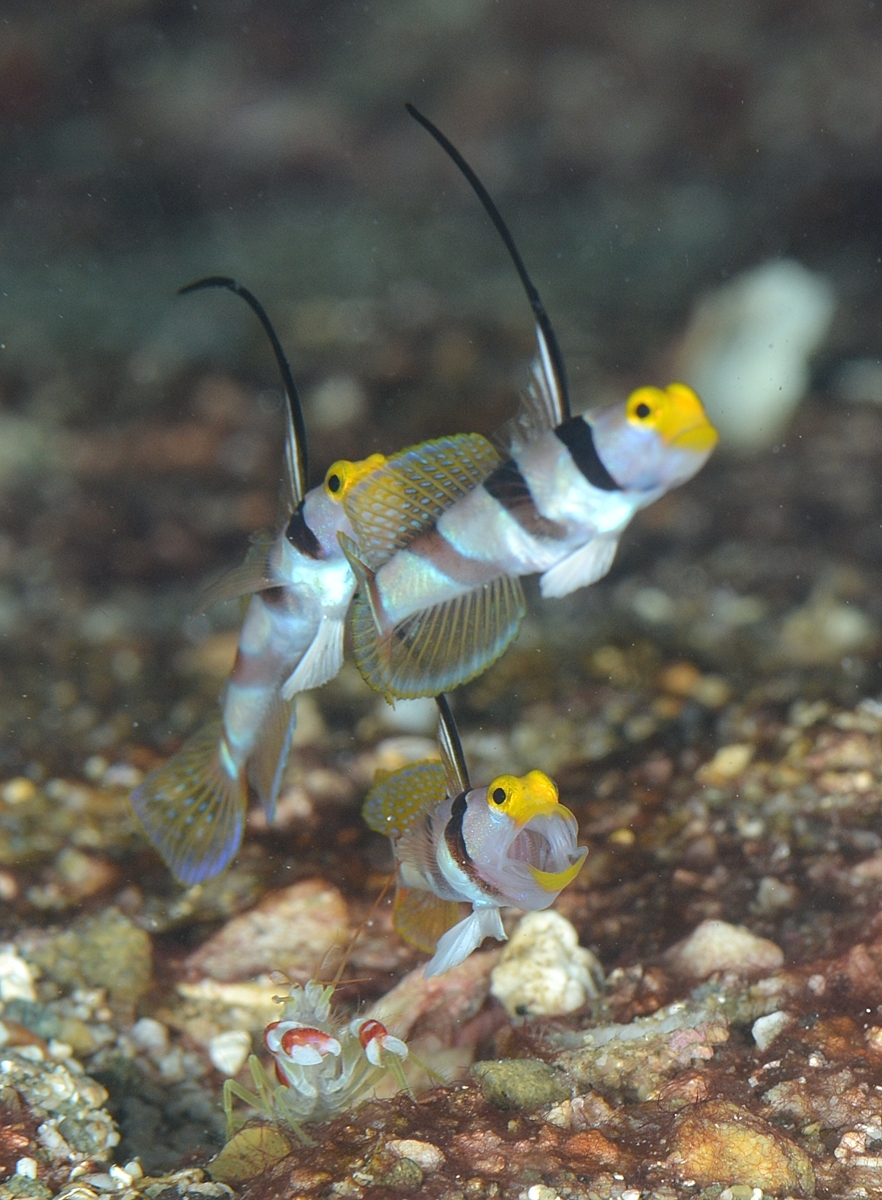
335, 480
498, 796
645, 406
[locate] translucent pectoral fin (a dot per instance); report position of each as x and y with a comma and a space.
458, 943
322, 660
408, 494
394, 803
585, 566
421, 918
193, 809
438, 648
254, 575
556, 881
267, 763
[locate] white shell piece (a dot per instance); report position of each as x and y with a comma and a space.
766, 1029
16, 978
229, 1050
543, 970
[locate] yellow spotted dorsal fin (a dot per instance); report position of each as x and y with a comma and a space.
389, 506
422, 917
438, 648
394, 803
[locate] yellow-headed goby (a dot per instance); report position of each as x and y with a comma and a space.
510, 843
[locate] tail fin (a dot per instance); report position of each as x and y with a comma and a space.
193, 809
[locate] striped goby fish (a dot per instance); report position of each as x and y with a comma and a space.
300, 583
510, 843
439, 602
439, 595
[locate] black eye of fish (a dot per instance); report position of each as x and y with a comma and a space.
333, 483
642, 411
498, 795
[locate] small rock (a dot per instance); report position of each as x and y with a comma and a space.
105, 951
766, 1029
16, 978
591, 1144
638, 1058
403, 1176
249, 1153
719, 1140
289, 931
728, 763
520, 1083
543, 970
718, 946
18, 790
229, 1050
150, 1036
426, 1155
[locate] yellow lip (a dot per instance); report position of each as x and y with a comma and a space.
556, 881
685, 423
700, 437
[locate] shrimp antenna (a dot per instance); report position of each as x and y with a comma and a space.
451, 749
552, 359
296, 454
360, 930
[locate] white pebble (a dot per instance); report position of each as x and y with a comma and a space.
150, 1036
747, 349
122, 775
18, 790
26, 1167
425, 1154
543, 970
104, 1182
766, 1029
229, 1050
16, 978
718, 946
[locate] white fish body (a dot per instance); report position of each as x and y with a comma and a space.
509, 844
193, 807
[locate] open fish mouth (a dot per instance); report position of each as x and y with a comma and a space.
547, 843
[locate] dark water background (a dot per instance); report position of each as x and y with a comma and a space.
642, 153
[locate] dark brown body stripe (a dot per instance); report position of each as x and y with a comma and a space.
576, 435
509, 488
301, 536
455, 840
471, 572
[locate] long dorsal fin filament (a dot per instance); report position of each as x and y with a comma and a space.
452, 755
296, 453
549, 349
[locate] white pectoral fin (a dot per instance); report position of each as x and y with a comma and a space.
266, 766
581, 568
457, 943
322, 660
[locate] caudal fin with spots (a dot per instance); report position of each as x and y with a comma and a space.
193, 808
